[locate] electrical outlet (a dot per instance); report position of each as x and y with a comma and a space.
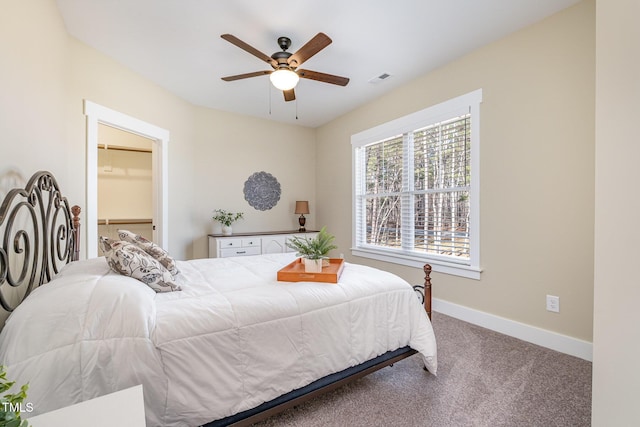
553, 303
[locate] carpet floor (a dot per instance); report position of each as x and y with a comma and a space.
484, 379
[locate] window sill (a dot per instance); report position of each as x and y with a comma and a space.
470, 272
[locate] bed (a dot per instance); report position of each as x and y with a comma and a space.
231, 347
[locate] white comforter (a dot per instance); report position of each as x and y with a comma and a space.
233, 338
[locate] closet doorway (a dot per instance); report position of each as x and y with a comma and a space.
125, 187
102, 121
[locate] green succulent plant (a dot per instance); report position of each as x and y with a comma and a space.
313, 248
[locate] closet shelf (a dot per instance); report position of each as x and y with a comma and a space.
110, 221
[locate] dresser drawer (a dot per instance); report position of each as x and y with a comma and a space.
230, 243
251, 242
250, 250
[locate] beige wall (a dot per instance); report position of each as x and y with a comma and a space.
537, 156
230, 149
110, 136
616, 347
33, 81
124, 175
124, 184
46, 75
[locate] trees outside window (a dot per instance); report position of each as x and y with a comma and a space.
415, 187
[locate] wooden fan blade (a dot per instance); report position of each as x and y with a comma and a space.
289, 95
252, 50
313, 46
323, 77
246, 75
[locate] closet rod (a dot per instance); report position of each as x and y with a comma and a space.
124, 221
119, 148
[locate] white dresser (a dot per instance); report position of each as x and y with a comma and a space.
244, 244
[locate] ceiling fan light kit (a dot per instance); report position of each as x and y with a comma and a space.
284, 79
285, 75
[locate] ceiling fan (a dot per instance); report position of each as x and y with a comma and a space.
285, 73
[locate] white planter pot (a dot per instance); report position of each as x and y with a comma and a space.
227, 230
312, 265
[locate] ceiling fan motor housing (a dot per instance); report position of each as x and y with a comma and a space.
282, 57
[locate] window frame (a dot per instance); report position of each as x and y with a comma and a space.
465, 104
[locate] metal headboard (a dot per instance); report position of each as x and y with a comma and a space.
39, 234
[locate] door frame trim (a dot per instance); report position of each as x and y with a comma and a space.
160, 137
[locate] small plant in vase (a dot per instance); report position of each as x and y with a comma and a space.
313, 251
226, 218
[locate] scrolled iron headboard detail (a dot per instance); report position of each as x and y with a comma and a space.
39, 233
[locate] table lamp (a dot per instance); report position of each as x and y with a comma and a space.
302, 207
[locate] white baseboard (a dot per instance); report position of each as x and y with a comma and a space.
542, 337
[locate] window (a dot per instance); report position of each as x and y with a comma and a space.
416, 182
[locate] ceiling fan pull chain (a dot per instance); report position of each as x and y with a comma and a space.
269, 95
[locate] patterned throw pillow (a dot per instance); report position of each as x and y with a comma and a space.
151, 248
129, 260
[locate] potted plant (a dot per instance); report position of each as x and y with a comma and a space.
12, 404
314, 250
226, 218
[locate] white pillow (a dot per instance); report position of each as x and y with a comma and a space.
129, 260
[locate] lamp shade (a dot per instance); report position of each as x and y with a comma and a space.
302, 207
284, 79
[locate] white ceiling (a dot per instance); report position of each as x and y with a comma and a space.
177, 44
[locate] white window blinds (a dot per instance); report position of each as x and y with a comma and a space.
413, 191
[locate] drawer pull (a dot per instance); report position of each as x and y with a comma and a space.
241, 252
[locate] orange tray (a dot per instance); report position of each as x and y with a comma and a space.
294, 272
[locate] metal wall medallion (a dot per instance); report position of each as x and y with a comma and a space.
262, 191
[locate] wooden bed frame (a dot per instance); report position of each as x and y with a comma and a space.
40, 233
